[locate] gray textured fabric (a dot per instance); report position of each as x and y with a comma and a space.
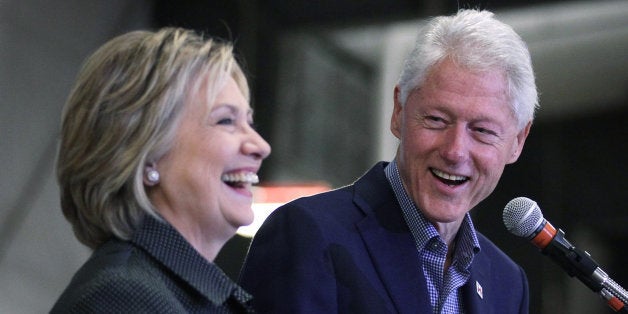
158, 271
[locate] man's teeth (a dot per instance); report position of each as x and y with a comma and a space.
241, 177
447, 176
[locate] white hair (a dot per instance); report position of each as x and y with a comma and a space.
476, 41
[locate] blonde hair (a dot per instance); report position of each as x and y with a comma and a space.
122, 114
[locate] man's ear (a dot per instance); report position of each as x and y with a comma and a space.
518, 147
395, 119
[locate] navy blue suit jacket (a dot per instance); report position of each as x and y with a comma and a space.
350, 251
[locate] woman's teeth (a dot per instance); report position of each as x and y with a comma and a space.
240, 177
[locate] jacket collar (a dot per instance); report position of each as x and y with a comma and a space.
390, 243
394, 254
167, 245
476, 293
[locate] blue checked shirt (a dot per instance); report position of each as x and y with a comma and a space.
443, 287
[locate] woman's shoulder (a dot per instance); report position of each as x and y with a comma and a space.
118, 276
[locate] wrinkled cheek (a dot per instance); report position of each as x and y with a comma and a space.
491, 184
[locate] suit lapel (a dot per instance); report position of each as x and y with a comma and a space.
395, 258
393, 251
390, 244
478, 290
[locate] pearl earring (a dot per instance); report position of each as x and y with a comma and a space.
152, 176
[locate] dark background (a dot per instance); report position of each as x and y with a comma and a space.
322, 74
574, 167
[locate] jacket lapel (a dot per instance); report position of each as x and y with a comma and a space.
477, 292
390, 243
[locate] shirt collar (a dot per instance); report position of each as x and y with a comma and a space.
422, 230
168, 246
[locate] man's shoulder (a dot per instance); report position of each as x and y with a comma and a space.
371, 185
325, 208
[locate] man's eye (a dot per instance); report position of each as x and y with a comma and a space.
485, 131
225, 121
434, 121
433, 118
487, 136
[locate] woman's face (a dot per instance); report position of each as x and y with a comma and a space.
205, 179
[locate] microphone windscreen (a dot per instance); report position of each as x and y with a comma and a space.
522, 216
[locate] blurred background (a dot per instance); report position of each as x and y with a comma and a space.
322, 75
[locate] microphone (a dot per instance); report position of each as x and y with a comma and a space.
523, 218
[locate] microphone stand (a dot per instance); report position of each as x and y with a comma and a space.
579, 263
616, 296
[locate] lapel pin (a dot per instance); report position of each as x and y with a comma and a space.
479, 290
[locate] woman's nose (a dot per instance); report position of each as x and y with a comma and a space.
255, 145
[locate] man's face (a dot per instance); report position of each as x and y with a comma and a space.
456, 134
